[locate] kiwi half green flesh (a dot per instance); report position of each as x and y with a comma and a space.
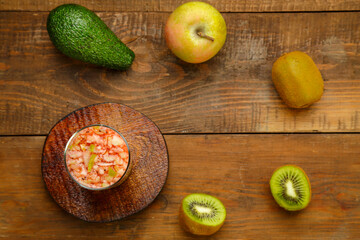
291, 187
202, 214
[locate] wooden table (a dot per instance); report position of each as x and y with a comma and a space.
225, 126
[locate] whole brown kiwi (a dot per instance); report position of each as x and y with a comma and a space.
297, 79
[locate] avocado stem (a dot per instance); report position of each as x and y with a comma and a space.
203, 35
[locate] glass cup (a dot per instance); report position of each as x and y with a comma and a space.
81, 150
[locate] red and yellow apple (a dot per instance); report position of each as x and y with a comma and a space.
195, 32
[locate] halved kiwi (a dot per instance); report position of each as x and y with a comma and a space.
290, 187
202, 214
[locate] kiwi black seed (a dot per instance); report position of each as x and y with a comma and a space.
291, 187
202, 214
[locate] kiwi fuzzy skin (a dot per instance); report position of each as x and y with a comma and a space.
307, 178
194, 227
297, 79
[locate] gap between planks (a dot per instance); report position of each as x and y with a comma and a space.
227, 12
197, 134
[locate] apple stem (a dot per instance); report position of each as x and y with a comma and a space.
203, 35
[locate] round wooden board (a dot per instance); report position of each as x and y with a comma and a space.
147, 151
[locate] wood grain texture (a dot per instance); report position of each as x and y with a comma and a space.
235, 168
148, 157
231, 93
170, 5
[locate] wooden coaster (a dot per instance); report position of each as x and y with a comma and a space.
147, 151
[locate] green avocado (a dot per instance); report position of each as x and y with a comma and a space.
79, 33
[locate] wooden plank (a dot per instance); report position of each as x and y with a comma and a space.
169, 6
232, 92
235, 168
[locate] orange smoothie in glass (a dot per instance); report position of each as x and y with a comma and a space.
97, 157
